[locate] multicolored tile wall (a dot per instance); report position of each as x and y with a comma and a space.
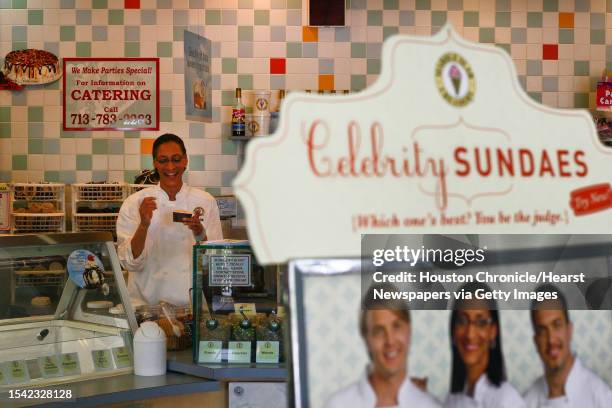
560, 48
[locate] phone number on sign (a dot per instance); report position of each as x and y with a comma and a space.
40, 394
111, 119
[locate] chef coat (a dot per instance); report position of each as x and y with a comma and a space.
361, 395
487, 395
582, 389
163, 271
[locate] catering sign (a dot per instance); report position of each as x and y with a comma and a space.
446, 141
111, 94
604, 96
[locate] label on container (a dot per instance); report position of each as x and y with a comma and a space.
70, 364
122, 357
50, 366
17, 372
249, 309
239, 352
267, 352
102, 360
210, 351
229, 270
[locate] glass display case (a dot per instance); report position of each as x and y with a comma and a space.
237, 318
64, 310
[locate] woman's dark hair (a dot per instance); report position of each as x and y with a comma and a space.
167, 138
496, 371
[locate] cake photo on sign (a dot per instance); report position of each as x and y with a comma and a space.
31, 67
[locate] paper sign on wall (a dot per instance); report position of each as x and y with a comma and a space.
445, 141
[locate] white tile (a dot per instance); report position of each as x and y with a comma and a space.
566, 52
566, 99
326, 50
486, 18
51, 130
36, 162
52, 162
52, 98
534, 51
261, 81
99, 162
132, 162
82, 33
6, 162
293, 33
132, 17
115, 176
83, 176
148, 33
6, 148
598, 52
260, 33
518, 18
534, 83
582, 36
245, 17
566, 84
68, 162
115, 162
503, 35
303, 65
550, 67
36, 176
534, 35
582, 20
83, 146
229, 81
67, 146
229, 50
20, 130
342, 50
99, 17
205, 178
164, 17
19, 113
518, 51
550, 35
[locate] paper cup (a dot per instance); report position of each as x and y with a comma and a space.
257, 125
261, 102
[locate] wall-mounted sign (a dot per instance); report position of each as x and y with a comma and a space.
604, 96
445, 142
198, 84
111, 94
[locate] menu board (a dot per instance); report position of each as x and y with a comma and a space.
111, 94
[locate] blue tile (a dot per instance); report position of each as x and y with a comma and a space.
310, 50
35, 130
132, 33
51, 146
99, 176
278, 34
326, 66
343, 34
227, 177
19, 33
52, 47
373, 50
196, 162
277, 82
99, 33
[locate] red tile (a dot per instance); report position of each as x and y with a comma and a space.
277, 66
132, 4
550, 51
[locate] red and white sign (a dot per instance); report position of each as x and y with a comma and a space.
604, 96
446, 141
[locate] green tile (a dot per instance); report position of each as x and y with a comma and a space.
5, 130
373, 66
66, 33
131, 49
389, 31
229, 65
470, 19
52, 176
245, 81
245, 33
116, 146
5, 113
581, 100
505, 47
19, 45
294, 4
20, 162
99, 4
391, 4
486, 35
35, 146
423, 4
294, 50
35, 130
213, 17
129, 176
20, 4
131, 134
262, 17
438, 18
551, 5
502, 5
598, 36
582, 68
35, 114
35, 17
164, 49
245, 4
358, 50
228, 98
165, 114
68, 176
115, 17
146, 162
83, 49
358, 82
178, 33
228, 147
502, 19
534, 19
196, 162
83, 162
99, 146
375, 17
566, 36
51, 146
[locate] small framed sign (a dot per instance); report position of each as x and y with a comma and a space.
111, 94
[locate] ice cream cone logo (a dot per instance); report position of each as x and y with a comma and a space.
455, 79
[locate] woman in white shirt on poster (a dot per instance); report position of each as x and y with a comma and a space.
478, 377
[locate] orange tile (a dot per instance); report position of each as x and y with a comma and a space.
310, 34
326, 82
146, 146
566, 20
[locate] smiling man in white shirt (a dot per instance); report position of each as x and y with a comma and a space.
385, 383
566, 382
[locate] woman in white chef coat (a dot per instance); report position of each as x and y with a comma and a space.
478, 377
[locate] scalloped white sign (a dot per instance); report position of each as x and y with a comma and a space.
445, 141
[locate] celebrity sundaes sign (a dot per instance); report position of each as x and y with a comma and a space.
446, 141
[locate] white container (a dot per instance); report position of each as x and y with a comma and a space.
257, 125
149, 350
261, 102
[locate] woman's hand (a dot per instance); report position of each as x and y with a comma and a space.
194, 225
146, 211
